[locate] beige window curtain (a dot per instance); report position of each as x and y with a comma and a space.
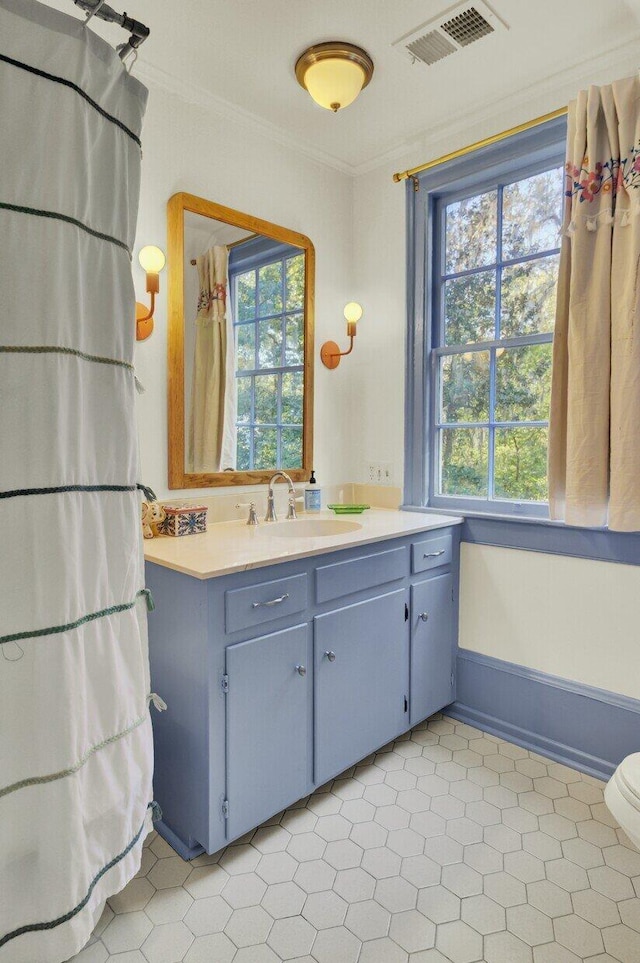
594, 432
206, 423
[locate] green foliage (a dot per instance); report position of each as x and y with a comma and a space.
532, 211
269, 416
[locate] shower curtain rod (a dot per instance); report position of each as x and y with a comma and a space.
98, 8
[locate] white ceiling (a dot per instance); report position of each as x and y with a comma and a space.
241, 53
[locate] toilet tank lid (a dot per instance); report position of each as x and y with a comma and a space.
629, 773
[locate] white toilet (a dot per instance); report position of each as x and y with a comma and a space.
622, 796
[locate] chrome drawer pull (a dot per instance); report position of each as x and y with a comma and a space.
424, 616
257, 605
301, 670
434, 554
331, 656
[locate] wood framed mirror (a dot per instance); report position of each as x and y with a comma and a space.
240, 347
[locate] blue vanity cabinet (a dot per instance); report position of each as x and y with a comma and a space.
433, 645
279, 678
268, 694
361, 680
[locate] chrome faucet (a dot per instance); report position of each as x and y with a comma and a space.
271, 508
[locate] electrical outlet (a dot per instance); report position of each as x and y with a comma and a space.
380, 473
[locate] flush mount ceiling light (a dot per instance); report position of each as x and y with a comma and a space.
334, 73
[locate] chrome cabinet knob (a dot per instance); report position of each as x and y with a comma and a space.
331, 656
301, 669
424, 616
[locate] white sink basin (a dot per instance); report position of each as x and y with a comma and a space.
309, 527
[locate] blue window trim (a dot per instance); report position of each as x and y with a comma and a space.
251, 255
530, 533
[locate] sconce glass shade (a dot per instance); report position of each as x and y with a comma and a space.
352, 312
152, 259
334, 73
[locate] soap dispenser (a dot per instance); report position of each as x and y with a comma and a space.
312, 495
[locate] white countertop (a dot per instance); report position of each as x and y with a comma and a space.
236, 547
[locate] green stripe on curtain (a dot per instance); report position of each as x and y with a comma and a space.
55, 215
91, 617
51, 924
78, 90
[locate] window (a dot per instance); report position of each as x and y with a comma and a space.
267, 291
491, 258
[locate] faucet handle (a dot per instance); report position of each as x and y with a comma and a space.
253, 517
291, 513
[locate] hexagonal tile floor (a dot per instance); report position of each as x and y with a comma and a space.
448, 846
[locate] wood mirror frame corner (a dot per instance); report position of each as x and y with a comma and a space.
179, 478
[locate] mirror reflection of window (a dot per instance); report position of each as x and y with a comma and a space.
266, 281
240, 339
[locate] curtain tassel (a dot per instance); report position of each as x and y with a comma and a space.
156, 812
139, 386
148, 493
157, 701
148, 598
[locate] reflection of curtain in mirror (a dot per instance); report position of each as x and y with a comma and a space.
209, 389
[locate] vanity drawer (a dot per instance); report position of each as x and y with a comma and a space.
264, 602
431, 553
344, 578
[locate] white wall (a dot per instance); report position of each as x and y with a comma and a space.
188, 148
571, 617
568, 617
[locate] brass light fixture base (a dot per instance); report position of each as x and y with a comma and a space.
330, 354
334, 50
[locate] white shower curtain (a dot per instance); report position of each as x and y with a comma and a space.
75, 733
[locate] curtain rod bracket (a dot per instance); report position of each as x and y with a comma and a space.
98, 8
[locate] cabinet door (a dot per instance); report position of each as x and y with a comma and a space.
432, 646
361, 678
268, 726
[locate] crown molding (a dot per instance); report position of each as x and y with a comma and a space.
551, 91
198, 96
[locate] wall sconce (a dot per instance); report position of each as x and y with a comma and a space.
330, 353
152, 261
334, 73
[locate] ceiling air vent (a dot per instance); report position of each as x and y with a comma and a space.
453, 29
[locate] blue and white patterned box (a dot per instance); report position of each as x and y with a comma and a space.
187, 520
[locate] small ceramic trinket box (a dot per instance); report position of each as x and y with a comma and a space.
184, 520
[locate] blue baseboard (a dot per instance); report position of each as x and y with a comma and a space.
578, 725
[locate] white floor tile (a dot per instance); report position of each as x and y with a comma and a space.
447, 846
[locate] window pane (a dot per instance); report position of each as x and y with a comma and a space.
295, 282
294, 348
266, 399
464, 459
246, 346
523, 383
529, 297
464, 380
244, 399
291, 448
292, 398
532, 214
270, 343
243, 448
246, 296
521, 464
470, 232
270, 289
469, 308
265, 451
